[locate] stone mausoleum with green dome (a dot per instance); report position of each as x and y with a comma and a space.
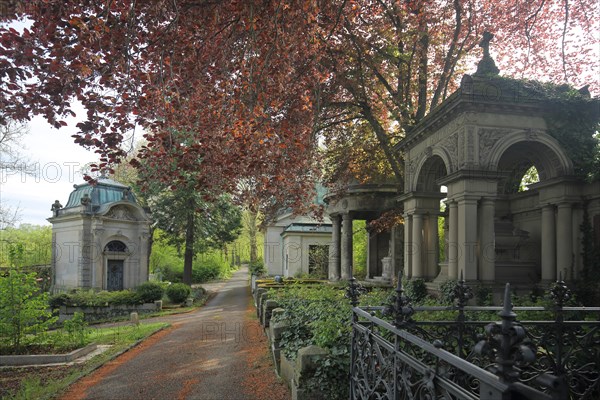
100, 238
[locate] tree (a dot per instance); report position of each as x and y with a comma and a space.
195, 221
251, 84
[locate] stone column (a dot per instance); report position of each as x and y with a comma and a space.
467, 238
346, 247
432, 246
453, 250
487, 253
548, 245
408, 246
417, 244
564, 240
334, 249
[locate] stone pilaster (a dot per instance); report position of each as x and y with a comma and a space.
564, 240
417, 244
334, 249
548, 244
487, 254
346, 247
432, 245
453, 248
467, 238
408, 245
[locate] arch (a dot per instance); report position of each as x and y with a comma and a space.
116, 246
429, 170
542, 149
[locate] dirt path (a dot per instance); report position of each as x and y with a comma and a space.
218, 352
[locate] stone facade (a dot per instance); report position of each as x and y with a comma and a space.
288, 241
478, 144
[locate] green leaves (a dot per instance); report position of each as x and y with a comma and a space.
23, 309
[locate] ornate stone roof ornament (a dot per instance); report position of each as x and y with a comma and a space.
486, 66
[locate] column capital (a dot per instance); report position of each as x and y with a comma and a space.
488, 199
564, 204
467, 199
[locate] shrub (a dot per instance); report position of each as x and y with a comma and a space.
257, 268
178, 292
416, 290
76, 329
447, 291
321, 316
90, 298
205, 272
58, 300
172, 273
149, 292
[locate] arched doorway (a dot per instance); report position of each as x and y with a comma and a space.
115, 253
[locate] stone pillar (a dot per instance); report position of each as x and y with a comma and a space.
334, 249
548, 245
453, 249
417, 243
432, 246
346, 247
372, 256
467, 238
487, 253
408, 246
564, 240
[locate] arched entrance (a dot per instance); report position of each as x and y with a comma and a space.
115, 253
421, 218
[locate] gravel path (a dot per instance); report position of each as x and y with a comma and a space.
207, 354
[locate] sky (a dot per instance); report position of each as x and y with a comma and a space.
57, 162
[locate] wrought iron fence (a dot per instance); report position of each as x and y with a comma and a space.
468, 357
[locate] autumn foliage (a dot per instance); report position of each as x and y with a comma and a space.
244, 89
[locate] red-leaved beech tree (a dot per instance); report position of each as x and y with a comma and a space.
230, 90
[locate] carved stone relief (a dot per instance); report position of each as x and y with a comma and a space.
451, 146
488, 137
121, 212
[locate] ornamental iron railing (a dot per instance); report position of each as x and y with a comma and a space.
397, 355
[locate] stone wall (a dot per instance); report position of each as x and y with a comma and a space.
95, 314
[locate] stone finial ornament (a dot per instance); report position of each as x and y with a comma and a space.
486, 66
55, 207
86, 200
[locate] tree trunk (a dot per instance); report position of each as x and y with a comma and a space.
189, 243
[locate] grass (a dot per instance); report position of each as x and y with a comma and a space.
48, 382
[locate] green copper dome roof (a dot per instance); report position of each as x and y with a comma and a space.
103, 192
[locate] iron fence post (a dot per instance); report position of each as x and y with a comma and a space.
461, 294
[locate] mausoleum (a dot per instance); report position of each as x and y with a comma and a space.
477, 145
297, 244
100, 238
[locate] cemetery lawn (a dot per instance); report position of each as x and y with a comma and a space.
48, 382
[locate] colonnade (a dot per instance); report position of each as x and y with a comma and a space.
470, 238
340, 251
